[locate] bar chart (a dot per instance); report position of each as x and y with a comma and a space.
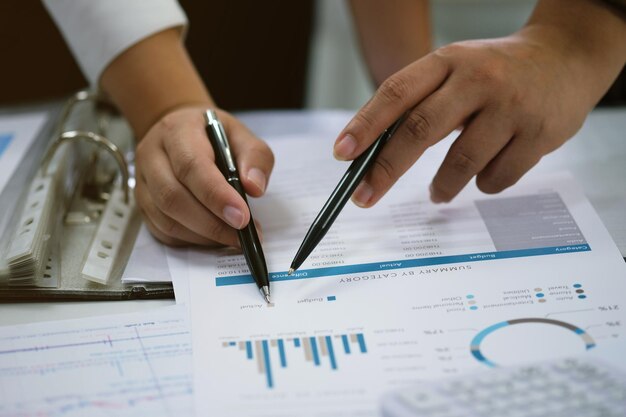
319, 351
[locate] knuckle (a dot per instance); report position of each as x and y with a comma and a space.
169, 227
418, 127
184, 166
449, 51
386, 170
394, 89
488, 72
363, 121
462, 163
167, 196
210, 195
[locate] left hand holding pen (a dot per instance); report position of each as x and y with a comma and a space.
517, 98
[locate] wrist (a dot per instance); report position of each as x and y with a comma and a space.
152, 79
583, 39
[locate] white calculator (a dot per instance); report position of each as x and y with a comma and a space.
573, 387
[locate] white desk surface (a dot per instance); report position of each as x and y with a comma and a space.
596, 156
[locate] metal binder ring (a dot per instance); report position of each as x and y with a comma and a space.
101, 141
79, 96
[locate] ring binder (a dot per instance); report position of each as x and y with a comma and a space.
53, 256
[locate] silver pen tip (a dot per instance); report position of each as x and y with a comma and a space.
290, 271
265, 292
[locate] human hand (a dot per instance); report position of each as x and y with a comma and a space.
517, 98
182, 194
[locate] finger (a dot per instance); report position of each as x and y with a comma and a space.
430, 121
177, 202
485, 136
193, 164
518, 157
255, 159
160, 236
165, 225
400, 92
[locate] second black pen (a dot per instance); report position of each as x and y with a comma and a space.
340, 196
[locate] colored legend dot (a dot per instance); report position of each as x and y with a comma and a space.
473, 308
471, 302
331, 298
542, 300
582, 296
469, 296
540, 295
538, 290
580, 291
577, 285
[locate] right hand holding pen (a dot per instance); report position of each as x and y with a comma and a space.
182, 194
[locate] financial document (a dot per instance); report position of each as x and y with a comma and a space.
403, 292
123, 365
17, 133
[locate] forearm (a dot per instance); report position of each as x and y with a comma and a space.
589, 35
392, 33
152, 78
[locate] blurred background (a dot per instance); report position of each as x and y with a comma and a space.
279, 54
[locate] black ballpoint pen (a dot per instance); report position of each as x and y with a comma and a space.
341, 194
250, 243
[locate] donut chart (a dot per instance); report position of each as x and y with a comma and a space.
475, 345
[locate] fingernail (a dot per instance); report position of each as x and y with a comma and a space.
362, 194
435, 197
257, 177
233, 217
344, 148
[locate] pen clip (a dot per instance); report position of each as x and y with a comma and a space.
220, 135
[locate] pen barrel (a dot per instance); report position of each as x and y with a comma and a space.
251, 244
341, 194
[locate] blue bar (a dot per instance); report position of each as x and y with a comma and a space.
361, 340
268, 369
346, 344
296, 342
5, 141
232, 343
316, 356
331, 352
401, 264
249, 349
331, 298
281, 352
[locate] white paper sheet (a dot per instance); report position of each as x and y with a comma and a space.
123, 365
148, 260
17, 133
399, 293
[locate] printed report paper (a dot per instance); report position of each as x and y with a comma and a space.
126, 365
403, 292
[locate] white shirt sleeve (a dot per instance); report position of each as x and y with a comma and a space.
97, 31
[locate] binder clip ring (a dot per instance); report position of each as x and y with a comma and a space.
99, 140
